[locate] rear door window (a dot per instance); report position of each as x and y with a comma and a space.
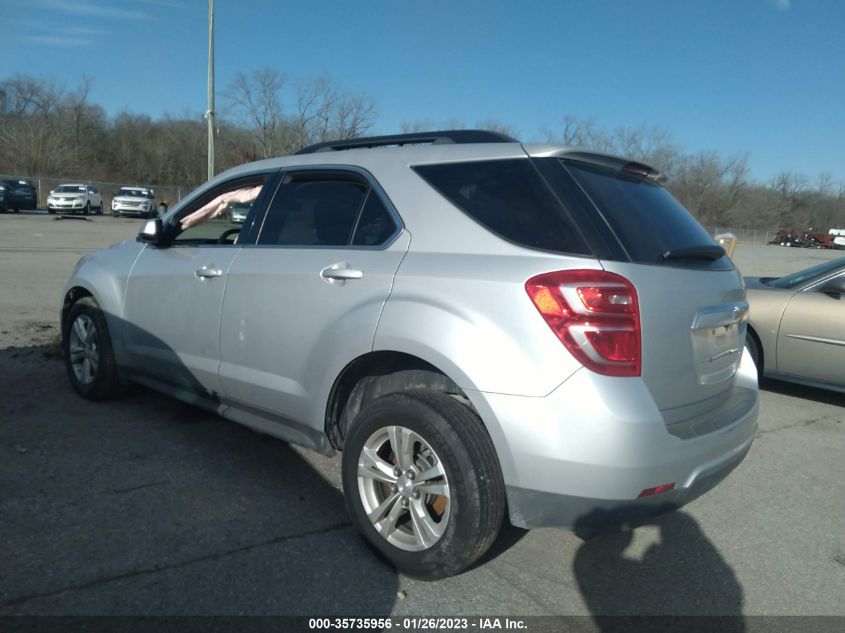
645, 218
375, 226
510, 199
327, 209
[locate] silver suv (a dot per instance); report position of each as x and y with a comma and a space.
485, 328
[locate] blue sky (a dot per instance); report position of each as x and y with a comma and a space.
762, 76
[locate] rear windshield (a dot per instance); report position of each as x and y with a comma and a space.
509, 198
646, 219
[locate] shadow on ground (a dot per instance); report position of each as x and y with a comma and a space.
681, 574
144, 505
795, 390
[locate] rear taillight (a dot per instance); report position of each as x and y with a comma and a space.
595, 314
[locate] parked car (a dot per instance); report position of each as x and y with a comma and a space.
75, 198
138, 201
796, 329
837, 237
17, 195
5, 197
482, 327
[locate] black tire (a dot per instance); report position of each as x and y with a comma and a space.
105, 380
475, 505
87, 209
752, 344
51, 211
100, 209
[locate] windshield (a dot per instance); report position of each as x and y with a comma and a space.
134, 193
796, 279
70, 189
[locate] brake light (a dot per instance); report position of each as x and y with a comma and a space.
595, 314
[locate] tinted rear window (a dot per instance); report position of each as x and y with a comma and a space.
645, 218
509, 198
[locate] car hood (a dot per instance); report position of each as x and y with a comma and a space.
758, 283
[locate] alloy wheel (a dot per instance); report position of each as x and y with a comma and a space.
84, 352
403, 488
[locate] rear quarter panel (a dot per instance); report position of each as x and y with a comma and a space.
470, 316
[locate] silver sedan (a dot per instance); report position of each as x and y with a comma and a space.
796, 328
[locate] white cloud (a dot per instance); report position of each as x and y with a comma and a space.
90, 9
783, 5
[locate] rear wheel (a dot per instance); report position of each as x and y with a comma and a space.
88, 353
87, 209
422, 482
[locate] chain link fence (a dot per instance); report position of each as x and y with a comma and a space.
169, 194
746, 236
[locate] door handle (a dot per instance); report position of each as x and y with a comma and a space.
340, 272
208, 271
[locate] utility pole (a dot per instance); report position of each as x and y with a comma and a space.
210, 113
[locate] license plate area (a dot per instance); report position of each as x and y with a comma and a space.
718, 337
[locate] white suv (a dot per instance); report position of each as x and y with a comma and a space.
138, 201
75, 198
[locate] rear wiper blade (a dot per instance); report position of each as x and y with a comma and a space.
710, 252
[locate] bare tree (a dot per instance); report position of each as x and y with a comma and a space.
256, 101
324, 111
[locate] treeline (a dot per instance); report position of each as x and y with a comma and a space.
48, 129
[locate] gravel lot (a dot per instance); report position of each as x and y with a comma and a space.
147, 506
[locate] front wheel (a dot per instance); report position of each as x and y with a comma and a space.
88, 353
422, 482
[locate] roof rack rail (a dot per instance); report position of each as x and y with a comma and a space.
434, 138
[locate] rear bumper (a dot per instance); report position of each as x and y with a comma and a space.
586, 515
581, 456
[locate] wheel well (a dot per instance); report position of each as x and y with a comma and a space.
377, 374
755, 339
73, 295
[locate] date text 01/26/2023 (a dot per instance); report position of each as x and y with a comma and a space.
416, 623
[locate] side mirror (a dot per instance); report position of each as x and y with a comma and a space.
152, 233
834, 287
